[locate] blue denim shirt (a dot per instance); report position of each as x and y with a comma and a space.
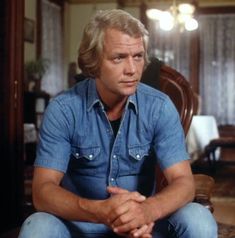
76, 138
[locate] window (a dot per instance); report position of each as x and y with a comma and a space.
217, 66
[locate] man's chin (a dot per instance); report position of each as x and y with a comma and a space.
129, 92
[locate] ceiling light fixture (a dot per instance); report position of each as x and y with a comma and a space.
181, 15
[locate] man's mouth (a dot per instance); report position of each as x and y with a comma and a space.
129, 82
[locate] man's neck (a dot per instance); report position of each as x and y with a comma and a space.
115, 111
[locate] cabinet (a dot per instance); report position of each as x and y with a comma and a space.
34, 107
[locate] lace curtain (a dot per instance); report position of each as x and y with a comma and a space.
52, 47
172, 47
217, 66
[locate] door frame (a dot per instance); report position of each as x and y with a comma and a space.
11, 113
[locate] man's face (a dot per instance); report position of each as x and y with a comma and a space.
122, 65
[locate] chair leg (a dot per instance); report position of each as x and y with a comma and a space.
211, 159
213, 162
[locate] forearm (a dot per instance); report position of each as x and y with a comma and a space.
171, 198
52, 198
56, 200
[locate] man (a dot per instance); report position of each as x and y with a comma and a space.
94, 171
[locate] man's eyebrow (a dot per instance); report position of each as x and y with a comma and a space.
119, 54
139, 53
125, 54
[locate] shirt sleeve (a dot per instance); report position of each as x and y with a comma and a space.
53, 150
169, 138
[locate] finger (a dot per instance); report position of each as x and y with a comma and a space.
137, 196
150, 227
134, 195
124, 204
125, 227
116, 190
120, 215
140, 231
121, 205
146, 233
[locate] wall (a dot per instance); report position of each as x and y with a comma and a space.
76, 16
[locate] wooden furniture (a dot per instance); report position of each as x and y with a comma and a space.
211, 148
171, 82
207, 143
204, 186
34, 107
179, 90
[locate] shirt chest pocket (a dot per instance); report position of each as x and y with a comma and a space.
85, 160
138, 157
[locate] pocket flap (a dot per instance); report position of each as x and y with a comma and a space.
89, 153
138, 152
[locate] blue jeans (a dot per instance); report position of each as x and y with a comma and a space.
191, 221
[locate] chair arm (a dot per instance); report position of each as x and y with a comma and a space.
204, 185
221, 142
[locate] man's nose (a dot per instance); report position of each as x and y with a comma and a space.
130, 67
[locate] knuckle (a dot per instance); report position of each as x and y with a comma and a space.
122, 219
136, 194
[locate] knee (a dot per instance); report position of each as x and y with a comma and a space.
43, 224
196, 221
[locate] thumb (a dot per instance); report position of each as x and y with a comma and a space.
136, 196
116, 190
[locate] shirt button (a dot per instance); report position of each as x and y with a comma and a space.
90, 156
112, 179
138, 156
114, 156
77, 154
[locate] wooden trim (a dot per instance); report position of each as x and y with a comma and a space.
143, 17
39, 29
11, 126
58, 2
215, 10
194, 63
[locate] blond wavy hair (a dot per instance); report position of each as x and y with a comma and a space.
92, 44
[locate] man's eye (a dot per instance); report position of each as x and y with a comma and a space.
138, 57
117, 59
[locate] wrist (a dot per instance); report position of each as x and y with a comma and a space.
92, 209
153, 208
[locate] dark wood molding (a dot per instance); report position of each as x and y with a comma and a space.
143, 17
11, 122
58, 2
194, 63
215, 10
39, 29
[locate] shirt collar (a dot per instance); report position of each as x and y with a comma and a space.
93, 98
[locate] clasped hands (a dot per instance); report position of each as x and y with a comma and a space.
127, 214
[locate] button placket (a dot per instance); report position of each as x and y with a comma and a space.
114, 165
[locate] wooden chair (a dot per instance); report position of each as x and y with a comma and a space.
180, 91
